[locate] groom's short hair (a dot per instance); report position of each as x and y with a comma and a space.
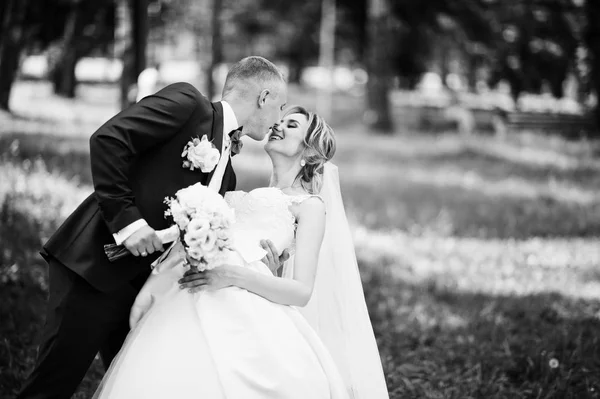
254, 68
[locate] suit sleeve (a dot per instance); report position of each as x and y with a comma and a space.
115, 146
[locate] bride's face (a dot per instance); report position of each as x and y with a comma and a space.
287, 138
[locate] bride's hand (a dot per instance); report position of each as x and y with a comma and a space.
214, 279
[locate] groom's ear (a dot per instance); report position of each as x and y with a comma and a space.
262, 98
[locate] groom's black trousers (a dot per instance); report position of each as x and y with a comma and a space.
81, 322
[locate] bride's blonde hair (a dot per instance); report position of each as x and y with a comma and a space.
319, 147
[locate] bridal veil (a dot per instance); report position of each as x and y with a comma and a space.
337, 310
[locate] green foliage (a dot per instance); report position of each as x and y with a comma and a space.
535, 43
95, 29
526, 43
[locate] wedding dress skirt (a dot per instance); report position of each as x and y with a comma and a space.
227, 343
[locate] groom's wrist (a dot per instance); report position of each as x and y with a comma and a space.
128, 231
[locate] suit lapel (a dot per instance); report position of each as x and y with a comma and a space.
217, 131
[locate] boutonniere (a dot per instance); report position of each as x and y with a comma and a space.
200, 154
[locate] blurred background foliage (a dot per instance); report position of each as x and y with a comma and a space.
515, 46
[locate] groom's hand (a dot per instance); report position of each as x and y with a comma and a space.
143, 242
272, 259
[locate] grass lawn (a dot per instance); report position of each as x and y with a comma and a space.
480, 258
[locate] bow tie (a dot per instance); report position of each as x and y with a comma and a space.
236, 143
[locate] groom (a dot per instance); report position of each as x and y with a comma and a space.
136, 162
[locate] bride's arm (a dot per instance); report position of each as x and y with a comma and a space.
296, 291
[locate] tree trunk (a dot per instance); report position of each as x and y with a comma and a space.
298, 56
297, 64
63, 73
124, 49
378, 115
11, 43
132, 35
444, 60
327, 56
593, 42
140, 34
473, 62
216, 47
5, 13
8, 72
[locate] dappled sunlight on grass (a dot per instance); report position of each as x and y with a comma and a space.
35, 102
493, 267
451, 189
489, 156
439, 343
419, 207
512, 187
60, 154
540, 157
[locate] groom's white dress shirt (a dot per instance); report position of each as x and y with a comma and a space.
229, 123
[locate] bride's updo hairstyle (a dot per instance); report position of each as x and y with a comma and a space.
319, 147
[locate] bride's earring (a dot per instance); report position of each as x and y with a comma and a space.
302, 163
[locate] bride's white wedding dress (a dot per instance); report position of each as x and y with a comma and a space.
228, 343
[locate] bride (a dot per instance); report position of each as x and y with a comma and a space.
242, 332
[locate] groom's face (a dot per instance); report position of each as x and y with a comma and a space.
268, 112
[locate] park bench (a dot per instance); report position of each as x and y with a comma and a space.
566, 124
437, 118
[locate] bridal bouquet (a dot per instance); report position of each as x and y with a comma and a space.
203, 219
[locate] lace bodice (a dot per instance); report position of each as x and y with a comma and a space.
263, 213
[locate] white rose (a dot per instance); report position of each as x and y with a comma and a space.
210, 241
222, 244
196, 232
198, 224
202, 154
194, 253
211, 160
216, 222
198, 153
189, 202
223, 216
222, 234
179, 215
182, 222
197, 197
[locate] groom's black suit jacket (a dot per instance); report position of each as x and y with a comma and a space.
136, 162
